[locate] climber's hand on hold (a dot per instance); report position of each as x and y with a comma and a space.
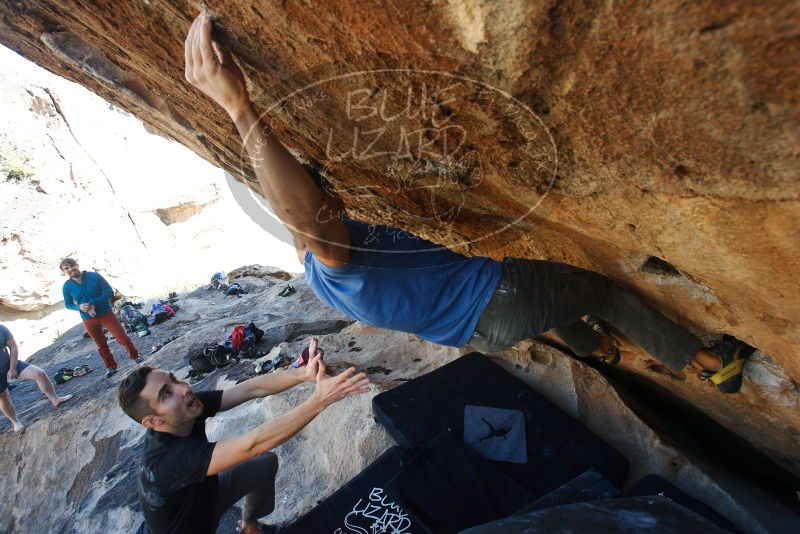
211, 68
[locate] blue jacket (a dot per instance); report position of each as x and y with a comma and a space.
93, 289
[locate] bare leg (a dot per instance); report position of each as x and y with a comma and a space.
43, 381
8, 410
704, 360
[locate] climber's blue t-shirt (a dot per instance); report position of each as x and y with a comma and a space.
398, 281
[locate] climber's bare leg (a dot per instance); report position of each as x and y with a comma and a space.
8, 410
43, 381
706, 361
702, 361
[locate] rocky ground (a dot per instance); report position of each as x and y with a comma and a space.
72, 470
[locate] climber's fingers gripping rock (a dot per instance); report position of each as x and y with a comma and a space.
212, 69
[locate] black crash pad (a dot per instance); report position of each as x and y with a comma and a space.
655, 485
650, 515
442, 487
589, 486
360, 503
448, 487
557, 447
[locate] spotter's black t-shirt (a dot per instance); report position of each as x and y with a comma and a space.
174, 491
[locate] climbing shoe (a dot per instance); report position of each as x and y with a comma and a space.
110, 373
63, 375
280, 361
287, 290
82, 370
263, 368
612, 356
138, 359
732, 353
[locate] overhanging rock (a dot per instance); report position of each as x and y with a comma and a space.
601, 134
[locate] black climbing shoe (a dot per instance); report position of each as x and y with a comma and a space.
263, 368
63, 375
287, 290
110, 373
612, 357
732, 353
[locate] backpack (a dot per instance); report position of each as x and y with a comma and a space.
257, 332
170, 310
243, 339
218, 281
158, 314
234, 289
131, 316
200, 362
219, 355
120, 303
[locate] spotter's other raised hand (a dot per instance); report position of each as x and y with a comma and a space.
331, 389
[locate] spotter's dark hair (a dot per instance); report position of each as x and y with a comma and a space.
67, 262
130, 394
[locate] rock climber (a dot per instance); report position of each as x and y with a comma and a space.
185, 483
11, 367
415, 286
89, 293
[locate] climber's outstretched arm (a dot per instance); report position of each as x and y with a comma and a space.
286, 185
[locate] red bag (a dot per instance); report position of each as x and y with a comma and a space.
237, 337
170, 311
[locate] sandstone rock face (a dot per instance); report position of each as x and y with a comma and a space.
654, 142
76, 467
